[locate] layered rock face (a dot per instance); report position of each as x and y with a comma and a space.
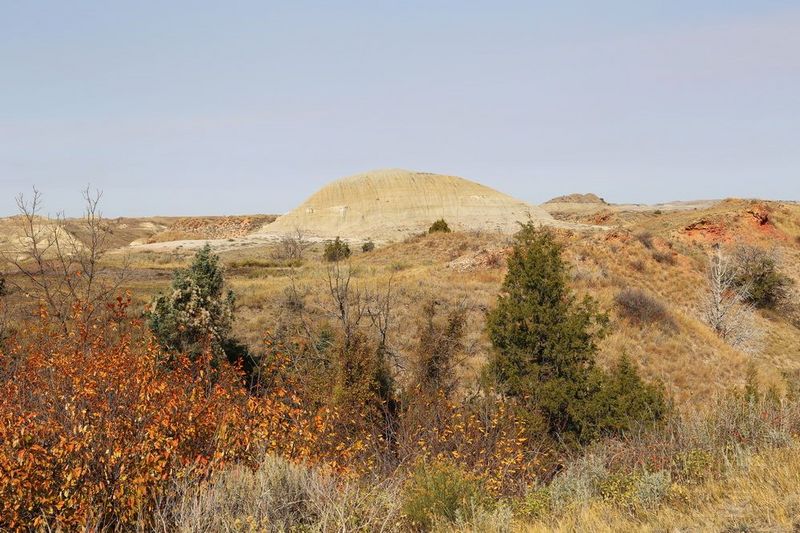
391, 204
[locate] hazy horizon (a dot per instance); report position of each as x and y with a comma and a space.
199, 108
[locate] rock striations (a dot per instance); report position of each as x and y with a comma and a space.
391, 204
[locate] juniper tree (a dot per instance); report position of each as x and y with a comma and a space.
197, 313
544, 340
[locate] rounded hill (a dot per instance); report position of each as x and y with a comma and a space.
387, 204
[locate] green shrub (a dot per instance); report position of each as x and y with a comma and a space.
618, 401
439, 492
440, 226
757, 273
336, 250
197, 311
3, 288
368, 246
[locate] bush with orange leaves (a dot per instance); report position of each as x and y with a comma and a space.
95, 430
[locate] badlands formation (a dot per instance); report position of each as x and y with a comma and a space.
391, 204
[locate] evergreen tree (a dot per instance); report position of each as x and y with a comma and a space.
544, 341
543, 337
197, 313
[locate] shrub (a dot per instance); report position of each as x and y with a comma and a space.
618, 402
440, 226
646, 238
641, 308
3, 288
438, 351
636, 490
756, 271
441, 492
197, 312
368, 246
336, 250
638, 265
94, 431
579, 483
663, 257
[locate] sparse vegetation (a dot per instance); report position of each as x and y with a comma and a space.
368, 246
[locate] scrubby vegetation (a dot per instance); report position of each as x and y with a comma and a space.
758, 275
125, 416
336, 250
440, 226
368, 246
642, 308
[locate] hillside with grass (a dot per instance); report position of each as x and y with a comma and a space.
618, 367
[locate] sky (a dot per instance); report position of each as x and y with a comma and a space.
180, 108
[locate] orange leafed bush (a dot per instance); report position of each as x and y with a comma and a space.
95, 429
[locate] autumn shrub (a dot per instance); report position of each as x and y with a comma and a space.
368, 246
441, 492
642, 308
440, 226
336, 250
95, 431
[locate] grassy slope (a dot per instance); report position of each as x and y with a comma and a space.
468, 268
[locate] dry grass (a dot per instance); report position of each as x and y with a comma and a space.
763, 496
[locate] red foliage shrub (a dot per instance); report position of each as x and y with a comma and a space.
94, 429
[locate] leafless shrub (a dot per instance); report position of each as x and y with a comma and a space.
292, 247
62, 268
639, 307
725, 307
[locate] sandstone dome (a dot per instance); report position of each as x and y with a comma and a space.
391, 204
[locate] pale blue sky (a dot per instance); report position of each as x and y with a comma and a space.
242, 107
